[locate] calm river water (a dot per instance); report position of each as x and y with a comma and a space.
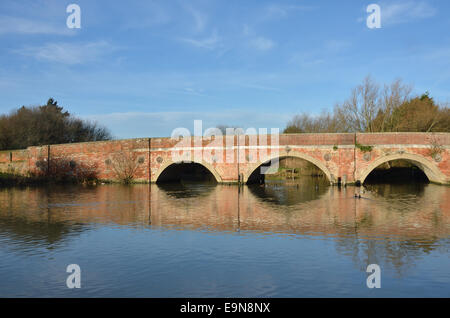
302, 239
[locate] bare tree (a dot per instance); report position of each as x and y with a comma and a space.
305, 123
371, 109
359, 111
124, 165
393, 96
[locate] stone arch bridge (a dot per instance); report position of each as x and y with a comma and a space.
346, 157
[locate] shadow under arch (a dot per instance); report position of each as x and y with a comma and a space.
431, 171
280, 194
183, 191
250, 175
174, 171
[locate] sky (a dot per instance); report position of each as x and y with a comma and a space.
144, 68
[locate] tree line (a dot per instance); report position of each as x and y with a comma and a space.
45, 125
371, 108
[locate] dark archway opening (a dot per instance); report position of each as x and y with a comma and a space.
290, 169
186, 172
397, 172
257, 177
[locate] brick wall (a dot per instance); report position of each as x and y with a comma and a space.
336, 152
14, 161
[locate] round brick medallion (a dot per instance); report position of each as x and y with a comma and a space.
327, 157
437, 157
159, 160
367, 156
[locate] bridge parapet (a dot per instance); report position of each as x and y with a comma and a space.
326, 139
403, 138
346, 157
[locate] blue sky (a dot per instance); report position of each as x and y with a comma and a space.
143, 68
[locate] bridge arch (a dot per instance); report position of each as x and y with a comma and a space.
291, 154
429, 168
204, 164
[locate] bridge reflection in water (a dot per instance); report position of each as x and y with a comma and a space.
415, 215
178, 237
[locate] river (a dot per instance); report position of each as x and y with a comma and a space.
283, 239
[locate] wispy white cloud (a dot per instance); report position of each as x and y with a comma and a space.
67, 53
15, 25
200, 18
257, 42
211, 42
193, 91
405, 11
262, 43
199, 35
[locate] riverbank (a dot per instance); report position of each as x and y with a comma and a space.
15, 180
10, 180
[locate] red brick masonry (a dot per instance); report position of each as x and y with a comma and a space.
348, 157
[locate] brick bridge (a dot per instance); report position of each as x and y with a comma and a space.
344, 157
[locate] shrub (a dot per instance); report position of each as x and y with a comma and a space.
124, 165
